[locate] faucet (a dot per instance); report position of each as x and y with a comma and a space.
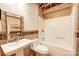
16, 39
13, 40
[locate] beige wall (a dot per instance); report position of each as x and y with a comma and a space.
41, 27
28, 11
78, 17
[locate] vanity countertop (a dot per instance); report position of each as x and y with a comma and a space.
13, 47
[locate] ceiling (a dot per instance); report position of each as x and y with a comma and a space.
45, 6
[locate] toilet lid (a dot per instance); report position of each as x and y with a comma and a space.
41, 48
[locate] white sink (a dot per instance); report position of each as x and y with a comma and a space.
13, 47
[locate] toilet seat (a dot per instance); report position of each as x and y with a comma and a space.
41, 49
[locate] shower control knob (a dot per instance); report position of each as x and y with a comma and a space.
42, 30
43, 38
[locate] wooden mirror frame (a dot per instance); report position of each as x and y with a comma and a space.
4, 24
21, 23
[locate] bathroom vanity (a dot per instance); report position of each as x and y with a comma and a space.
16, 47
11, 29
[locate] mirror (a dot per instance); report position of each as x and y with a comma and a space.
14, 26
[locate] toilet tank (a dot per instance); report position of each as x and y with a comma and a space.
35, 43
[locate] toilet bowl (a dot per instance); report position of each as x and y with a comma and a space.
39, 48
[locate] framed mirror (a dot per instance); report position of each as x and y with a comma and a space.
0, 14
3, 30
14, 26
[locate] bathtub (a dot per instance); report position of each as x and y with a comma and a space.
57, 51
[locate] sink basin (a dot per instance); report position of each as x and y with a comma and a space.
12, 47
11, 44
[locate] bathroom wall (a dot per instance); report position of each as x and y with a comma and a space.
59, 34
78, 17
28, 11
41, 28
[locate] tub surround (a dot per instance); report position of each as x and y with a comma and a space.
16, 47
58, 51
59, 30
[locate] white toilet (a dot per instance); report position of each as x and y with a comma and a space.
39, 48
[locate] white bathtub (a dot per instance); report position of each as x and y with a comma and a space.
57, 51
